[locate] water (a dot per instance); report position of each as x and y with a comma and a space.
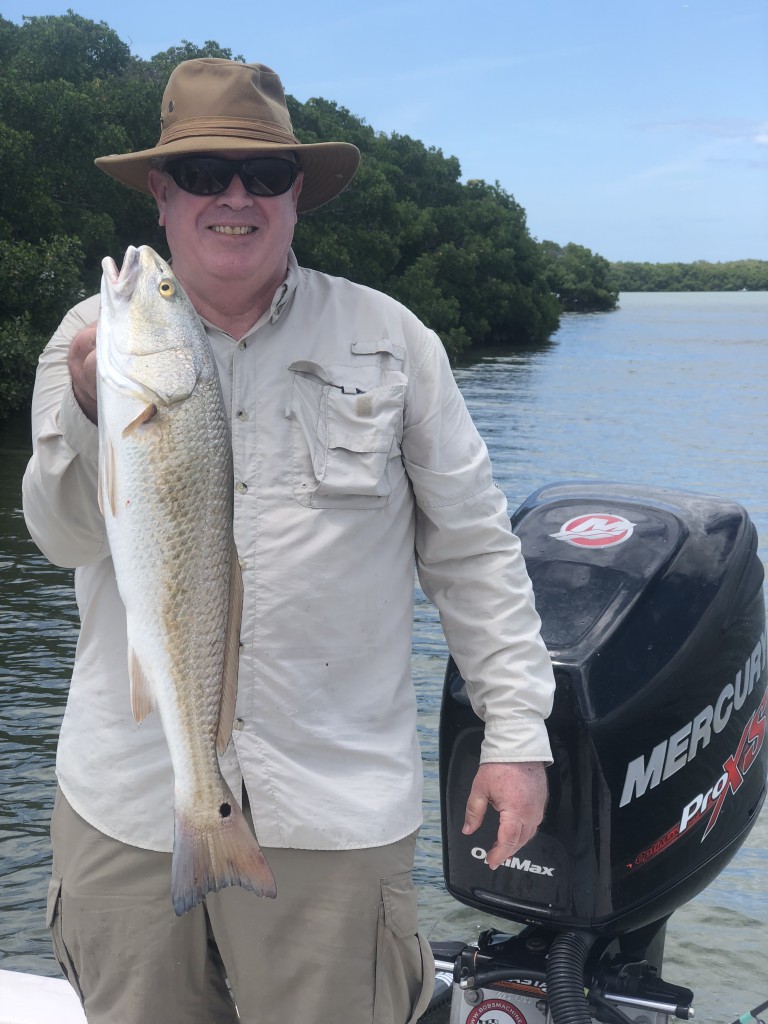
672, 389
38, 629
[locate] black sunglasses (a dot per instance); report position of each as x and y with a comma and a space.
211, 175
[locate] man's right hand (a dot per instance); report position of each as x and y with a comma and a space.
82, 370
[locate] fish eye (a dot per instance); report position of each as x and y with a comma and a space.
166, 288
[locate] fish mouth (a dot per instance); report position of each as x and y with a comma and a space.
123, 281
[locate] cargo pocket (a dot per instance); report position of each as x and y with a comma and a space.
346, 435
53, 919
405, 967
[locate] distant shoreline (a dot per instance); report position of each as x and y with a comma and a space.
699, 276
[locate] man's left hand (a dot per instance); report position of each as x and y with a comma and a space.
518, 791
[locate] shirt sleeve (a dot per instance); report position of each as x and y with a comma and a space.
59, 489
471, 566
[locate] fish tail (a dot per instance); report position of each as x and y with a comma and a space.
206, 859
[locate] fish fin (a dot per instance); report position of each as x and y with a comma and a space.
106, 484
142, 699
146, 414
208, 859
100, 483
231, 655
112, 479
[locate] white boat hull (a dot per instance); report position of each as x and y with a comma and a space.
32, 999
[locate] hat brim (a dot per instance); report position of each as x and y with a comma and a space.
328, 166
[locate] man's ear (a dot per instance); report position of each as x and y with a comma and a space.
157, 181
296, 192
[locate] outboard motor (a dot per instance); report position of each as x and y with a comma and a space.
653, 612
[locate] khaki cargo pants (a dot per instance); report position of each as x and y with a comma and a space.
338, 946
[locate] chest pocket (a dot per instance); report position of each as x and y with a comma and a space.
347, 425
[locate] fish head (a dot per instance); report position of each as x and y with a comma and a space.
150, 341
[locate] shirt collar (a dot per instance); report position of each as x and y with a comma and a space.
280, 300
286, 289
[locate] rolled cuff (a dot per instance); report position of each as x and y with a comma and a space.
516, 739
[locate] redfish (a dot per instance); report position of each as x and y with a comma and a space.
166, 492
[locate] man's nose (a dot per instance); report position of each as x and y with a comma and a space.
236, 195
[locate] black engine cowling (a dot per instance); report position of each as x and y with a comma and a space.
653, 612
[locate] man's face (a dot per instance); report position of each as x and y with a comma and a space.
219, 241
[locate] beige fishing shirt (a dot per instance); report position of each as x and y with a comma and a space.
355, 459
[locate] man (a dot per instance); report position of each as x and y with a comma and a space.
353, 455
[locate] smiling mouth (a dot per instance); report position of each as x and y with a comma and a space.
225, 229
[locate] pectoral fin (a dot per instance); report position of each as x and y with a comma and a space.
146, 414
142, 700
231, 655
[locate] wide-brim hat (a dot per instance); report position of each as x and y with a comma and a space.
211, 105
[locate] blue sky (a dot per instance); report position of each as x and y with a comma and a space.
638, 128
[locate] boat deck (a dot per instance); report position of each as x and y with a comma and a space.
31, 999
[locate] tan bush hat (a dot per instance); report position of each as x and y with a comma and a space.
211, 105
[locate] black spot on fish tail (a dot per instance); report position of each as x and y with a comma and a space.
223, 853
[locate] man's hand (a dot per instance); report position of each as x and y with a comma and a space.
518, 791
82, 370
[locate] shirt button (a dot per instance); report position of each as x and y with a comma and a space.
239, 724
241, 488
242, 415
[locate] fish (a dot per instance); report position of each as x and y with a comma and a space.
165, 487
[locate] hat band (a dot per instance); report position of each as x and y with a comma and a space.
233, 127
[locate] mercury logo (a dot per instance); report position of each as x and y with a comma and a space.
595, 530
682, 746
515, 863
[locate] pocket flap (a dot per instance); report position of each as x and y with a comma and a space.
54, 891
398, 895
370, 441
307, 366
372, 346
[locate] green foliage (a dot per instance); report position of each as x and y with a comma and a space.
701, 276
68, 48
40, 279
19, 347
579, 278
162, 64
38, 283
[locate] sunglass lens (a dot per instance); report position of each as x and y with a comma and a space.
203, 176
267, 176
